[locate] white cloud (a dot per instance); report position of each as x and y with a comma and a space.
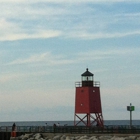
11, 31
67, 1
23, 20
6, 77
19, 76
48, 58
102, 54
51, 59
20, 36
101, 35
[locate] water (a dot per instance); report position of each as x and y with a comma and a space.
69, 123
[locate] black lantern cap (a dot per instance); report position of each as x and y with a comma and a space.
87, 73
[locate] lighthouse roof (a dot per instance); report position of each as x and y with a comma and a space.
87, 73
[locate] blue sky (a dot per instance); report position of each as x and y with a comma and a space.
45, 46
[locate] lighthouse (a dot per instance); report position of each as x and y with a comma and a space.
88, 109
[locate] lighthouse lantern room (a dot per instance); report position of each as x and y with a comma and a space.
88, 108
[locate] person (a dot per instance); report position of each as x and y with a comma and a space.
13, 133
97, 124
54, 125
13, 127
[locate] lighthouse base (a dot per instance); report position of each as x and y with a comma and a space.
88, 119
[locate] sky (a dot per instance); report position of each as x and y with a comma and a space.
45, 46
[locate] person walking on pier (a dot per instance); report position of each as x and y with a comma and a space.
13, 127
13, 133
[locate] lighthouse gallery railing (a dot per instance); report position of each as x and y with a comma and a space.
95, 84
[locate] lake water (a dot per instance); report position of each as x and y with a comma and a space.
69, 123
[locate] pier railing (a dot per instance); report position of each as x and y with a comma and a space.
5, 131
73, 129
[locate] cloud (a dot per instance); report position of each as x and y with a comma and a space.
37, 35
51, 59
105, 54
42, 19
68, 1
19, 76
5, 78
48, 58
101, 35
11, 32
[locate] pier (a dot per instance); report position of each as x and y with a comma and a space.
5, 131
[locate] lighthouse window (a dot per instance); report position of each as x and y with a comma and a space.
81, 104
87, 78
93, 90
82, 90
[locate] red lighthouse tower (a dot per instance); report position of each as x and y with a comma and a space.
88, 109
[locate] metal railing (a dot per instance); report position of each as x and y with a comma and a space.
95, 84
74, 129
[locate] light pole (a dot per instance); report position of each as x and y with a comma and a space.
130, 108
130, 116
